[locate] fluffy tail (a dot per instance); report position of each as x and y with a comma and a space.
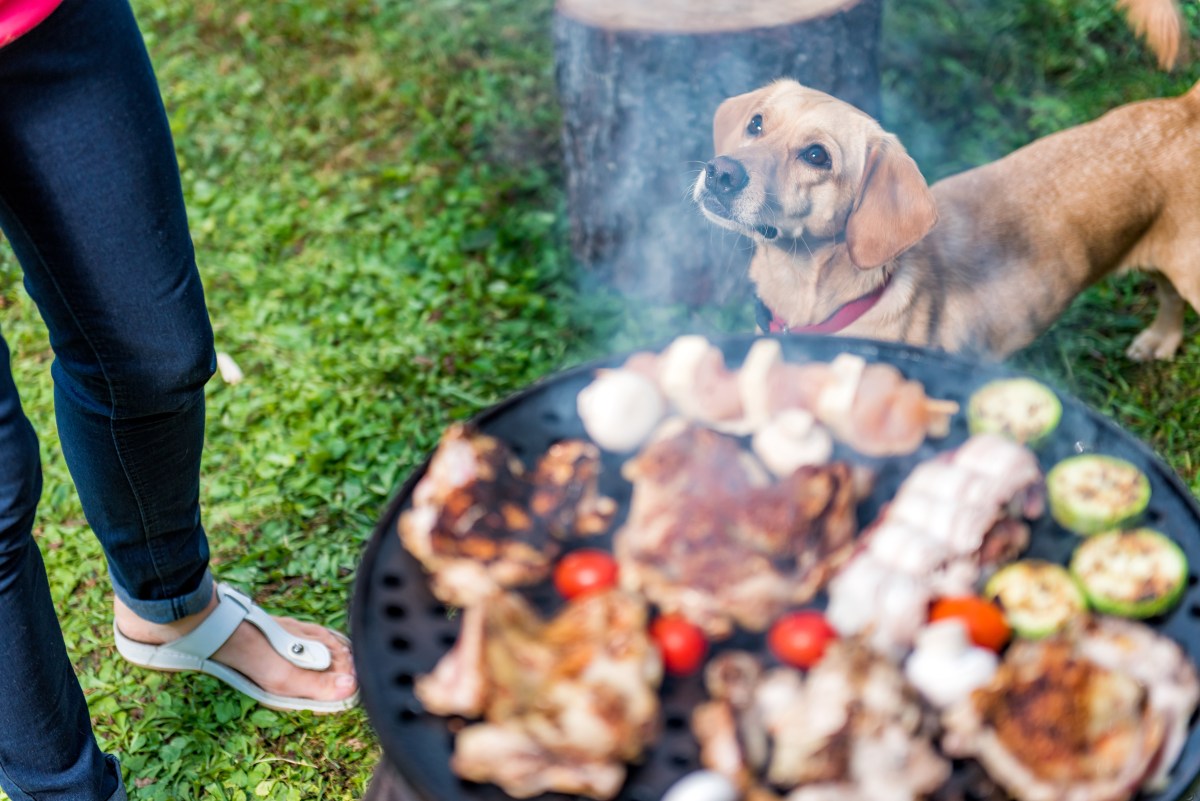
1160, 24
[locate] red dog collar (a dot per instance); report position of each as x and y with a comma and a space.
840, 319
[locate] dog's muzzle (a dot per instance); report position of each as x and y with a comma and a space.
724, 180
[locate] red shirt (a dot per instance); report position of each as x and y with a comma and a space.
18, 17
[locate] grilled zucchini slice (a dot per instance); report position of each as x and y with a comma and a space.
1093, 493
1019, 408
1038, 597
1140, 573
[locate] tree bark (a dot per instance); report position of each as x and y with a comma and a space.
639, 81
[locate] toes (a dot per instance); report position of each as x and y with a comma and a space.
339, 647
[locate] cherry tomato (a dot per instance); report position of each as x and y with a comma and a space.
584, 571
800, 638
984, 620
682, 644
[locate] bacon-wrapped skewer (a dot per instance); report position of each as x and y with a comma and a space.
870, 407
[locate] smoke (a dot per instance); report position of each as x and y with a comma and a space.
637, 129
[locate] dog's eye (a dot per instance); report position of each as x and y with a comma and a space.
754, 128
817, 156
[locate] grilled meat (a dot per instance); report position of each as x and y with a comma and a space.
565, 492
852, 729
480, 521
870, 407
951, 516
712, 537
1077, 717
565, 702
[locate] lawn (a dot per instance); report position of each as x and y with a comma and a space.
375, 194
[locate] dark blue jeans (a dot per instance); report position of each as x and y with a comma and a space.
90, 200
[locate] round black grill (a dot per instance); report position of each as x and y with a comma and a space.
400, 630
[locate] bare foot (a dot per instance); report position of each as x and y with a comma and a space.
248, 652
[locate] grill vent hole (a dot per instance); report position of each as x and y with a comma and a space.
640, 792
676, 722
448, 638
395, 612
400, 644
403, 679
407, 716
393, 581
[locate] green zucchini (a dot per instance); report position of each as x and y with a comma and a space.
1038, 597
1093, 493
1019, 408
1139, 573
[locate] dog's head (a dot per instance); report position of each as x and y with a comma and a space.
795, 165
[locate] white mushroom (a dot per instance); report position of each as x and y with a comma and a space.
753, 377
677, 370
835, 403
702, 785
945, 667
792, 440
620, 409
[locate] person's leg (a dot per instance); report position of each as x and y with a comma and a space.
47, 750
95, 214
90, 198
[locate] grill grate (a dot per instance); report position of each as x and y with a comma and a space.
400, 630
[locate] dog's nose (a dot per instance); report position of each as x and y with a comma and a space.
725, 177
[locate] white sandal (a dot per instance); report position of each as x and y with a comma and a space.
192, 652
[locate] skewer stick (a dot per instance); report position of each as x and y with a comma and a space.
940, 412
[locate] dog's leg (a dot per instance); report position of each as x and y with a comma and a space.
1162, 338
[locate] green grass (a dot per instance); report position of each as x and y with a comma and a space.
375, 193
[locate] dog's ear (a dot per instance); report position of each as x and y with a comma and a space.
894, 209
731, 119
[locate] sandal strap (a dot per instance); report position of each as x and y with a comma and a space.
232, 608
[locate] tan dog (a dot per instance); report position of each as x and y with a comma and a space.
850, 239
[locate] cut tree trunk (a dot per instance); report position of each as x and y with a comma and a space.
639, 81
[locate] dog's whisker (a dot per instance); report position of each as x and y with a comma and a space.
804, 242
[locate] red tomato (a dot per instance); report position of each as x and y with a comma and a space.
984, 620
800, 638
584, 571
682, 644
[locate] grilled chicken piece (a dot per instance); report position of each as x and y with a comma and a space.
951, 517
566, 496
852, 729
565, 702
712, 537
1088, 715
524, 768
479, 521
1161, 666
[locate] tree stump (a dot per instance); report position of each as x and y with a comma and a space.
639, 81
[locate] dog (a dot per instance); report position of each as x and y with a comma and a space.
850, 239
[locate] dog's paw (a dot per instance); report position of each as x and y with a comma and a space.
1150, 344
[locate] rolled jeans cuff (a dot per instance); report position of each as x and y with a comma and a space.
119, 793
170, 609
